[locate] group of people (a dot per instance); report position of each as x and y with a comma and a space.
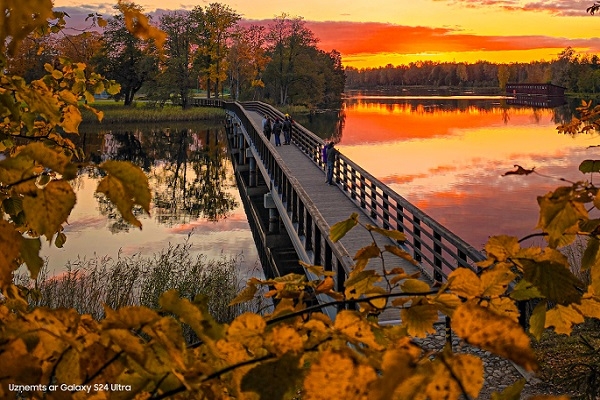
277, 128
284, 126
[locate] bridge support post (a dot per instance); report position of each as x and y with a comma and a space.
252, 172
242, 149
273, 215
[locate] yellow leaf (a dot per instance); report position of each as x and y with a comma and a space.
415, 286
245, 295
316, 269
283, 339
49, 207
10, 244
512, 392
590, 255
326, 285
562, 319
554, 279
360, 283
391, 233
419, 319
133, 179
494, 282
351, 379
398, 364
126, 185
358, 329
71, 119
500, 335
560, 214
504, 306
130, 343
502, 247
53, 158
247, 328
274, 380
447, 302
395, 250
339, 230
466, 368
465, 283
30, 253
525, 291
589, 307
537, 321
195, 314
363, 255
129, 317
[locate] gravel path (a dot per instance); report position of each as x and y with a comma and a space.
499, 373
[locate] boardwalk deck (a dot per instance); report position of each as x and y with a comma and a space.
335, 206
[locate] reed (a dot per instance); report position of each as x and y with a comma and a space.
89, 284
116, 113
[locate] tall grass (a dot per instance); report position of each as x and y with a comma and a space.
116, 113
87, 285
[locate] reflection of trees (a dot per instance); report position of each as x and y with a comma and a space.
325, 124
191, 181
186, 171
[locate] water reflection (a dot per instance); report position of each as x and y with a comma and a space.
447, 155
193, 190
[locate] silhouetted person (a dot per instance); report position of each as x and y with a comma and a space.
331, 157
277, 131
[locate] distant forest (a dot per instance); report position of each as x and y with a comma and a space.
578, 73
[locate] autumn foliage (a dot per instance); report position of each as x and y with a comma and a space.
296, 350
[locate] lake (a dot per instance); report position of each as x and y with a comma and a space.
194, 198
445, 154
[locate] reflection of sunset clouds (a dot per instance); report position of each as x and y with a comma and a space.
235, 221
449, 163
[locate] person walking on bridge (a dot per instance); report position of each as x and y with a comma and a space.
277, 131
267, 127
331, 157
287, 129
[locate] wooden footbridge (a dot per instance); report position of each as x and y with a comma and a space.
308, 207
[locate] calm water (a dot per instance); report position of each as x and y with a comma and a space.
447, 154
194, 198
444, 154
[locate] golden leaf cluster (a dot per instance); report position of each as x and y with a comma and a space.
296, 349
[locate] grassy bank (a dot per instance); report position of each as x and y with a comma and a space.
140, 112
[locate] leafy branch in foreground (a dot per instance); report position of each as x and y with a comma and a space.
294, 349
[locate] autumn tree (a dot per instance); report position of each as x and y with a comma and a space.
298, 70
247, 60
34, 52
217, 22
176, 69
80, 48
126, 58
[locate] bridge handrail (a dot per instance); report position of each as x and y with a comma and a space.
430, 241
312, 224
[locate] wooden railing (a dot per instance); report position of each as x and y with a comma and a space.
308, 223
437, 249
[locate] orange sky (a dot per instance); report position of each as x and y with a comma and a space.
380, 32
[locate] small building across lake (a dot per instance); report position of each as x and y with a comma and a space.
534, 89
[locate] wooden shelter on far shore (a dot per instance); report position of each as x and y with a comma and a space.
534, 89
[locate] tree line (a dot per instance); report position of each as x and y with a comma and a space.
578, 73
205, 49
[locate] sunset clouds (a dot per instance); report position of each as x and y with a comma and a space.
352, 38
380, 32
